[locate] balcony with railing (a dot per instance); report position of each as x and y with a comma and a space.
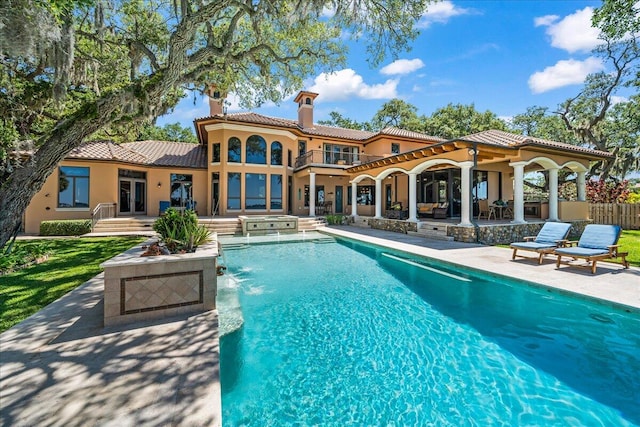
333, 158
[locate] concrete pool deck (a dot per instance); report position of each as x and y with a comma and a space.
62, 367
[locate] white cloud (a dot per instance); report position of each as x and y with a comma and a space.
506, 119
573, 33
345, 84
402, 66
545, 21
564, 73
441, 12
615, 99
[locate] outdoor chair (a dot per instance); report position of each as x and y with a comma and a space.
426, 209
598, 242
551, 236
508, 212
440, 212
485, 209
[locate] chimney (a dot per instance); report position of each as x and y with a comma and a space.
305, 108
216, 100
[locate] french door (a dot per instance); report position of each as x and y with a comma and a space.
133, 196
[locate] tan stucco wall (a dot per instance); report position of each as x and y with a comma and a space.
382, 146
222, 135
104, 187
44, 205
573, 210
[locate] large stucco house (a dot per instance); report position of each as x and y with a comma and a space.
247, 163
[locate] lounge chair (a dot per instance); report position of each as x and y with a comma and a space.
597, 243
550, 236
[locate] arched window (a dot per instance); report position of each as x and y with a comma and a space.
235, 150
276, 153
256, 150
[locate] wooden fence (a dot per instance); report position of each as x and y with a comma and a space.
623, 214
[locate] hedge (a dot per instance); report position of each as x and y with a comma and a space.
70, 227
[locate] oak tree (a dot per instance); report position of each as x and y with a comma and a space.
76, 70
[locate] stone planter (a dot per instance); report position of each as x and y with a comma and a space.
145, 288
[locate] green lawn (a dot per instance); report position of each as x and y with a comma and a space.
71, 262
630, 242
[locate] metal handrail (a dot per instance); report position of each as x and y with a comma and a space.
329, 157
99, 213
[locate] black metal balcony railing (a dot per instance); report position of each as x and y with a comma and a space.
326, 157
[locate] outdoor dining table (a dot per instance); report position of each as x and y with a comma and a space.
499, 209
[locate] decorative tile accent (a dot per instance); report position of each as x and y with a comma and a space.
161, 291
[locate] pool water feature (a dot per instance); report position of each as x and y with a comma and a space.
350, 334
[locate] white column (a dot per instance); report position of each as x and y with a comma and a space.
312, 194
553, 194
354, 199
413, 198
378, 198
465, 190
582, 186
518, 193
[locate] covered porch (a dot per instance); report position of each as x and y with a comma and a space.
464, 175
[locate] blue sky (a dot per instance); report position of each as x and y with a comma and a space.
502, 56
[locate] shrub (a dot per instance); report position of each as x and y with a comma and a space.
70, 227
180, 232
335, 219
22, 255
633, 198
607, 191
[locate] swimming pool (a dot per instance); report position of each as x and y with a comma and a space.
344, 333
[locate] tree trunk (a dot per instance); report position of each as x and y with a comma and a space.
25, 182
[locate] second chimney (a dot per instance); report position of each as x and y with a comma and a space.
305, 108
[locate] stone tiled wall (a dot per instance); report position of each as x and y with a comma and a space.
394, 225
144, 288
505, 233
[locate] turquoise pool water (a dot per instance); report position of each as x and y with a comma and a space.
340, 334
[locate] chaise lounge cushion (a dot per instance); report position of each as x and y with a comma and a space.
532, 246
551, 232
581, 252
599, 236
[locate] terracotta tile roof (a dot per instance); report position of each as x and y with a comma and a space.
323, 130
258, 119
506, 139
394, 131
168, 153
106, 150
155, 153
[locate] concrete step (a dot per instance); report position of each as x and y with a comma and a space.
310, 224
221, 226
